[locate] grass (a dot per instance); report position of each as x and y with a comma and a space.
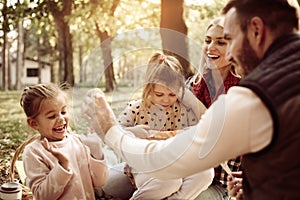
14, 129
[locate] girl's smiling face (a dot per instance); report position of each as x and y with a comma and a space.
53, 120
163, 96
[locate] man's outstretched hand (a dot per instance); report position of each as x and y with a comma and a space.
97, 112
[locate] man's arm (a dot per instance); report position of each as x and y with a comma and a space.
237, 123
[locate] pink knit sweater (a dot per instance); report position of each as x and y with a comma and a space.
48, 180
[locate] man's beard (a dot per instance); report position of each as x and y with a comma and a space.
247, 57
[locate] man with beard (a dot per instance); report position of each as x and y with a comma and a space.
258, 119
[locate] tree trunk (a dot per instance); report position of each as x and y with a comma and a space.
9, 71
65, 46
39, 57
110, 81
81, 70
4, 63
20, 50
66, 53
4, 48
52, 72
68, 49
105, 39
174, 32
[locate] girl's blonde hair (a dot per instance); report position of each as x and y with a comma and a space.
32, 97
165, 70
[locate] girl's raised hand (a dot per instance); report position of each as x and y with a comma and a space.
52, 148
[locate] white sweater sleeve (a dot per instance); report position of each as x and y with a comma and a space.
236, 124
190, 101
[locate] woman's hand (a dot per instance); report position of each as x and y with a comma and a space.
52, 148
235, 185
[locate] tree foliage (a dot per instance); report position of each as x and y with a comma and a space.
70, 29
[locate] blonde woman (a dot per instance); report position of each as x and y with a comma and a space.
216, 75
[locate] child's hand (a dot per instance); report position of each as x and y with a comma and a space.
62, 159
93, 141
235, 185
140, 131
162, 135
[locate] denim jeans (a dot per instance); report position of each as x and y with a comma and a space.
214, 192
118, 185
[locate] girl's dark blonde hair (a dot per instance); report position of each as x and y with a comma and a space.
165, 70
32, 97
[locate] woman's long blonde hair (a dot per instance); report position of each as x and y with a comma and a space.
219, 22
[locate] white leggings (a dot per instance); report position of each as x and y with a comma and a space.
185, 188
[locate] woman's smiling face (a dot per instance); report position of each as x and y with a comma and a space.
215, 47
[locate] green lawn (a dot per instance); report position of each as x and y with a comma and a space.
13, 129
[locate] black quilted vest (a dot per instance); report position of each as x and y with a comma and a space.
274, 172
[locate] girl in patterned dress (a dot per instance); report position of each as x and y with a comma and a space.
166, 106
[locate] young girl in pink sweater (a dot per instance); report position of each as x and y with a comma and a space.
58, 165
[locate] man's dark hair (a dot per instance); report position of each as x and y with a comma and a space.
278, 15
